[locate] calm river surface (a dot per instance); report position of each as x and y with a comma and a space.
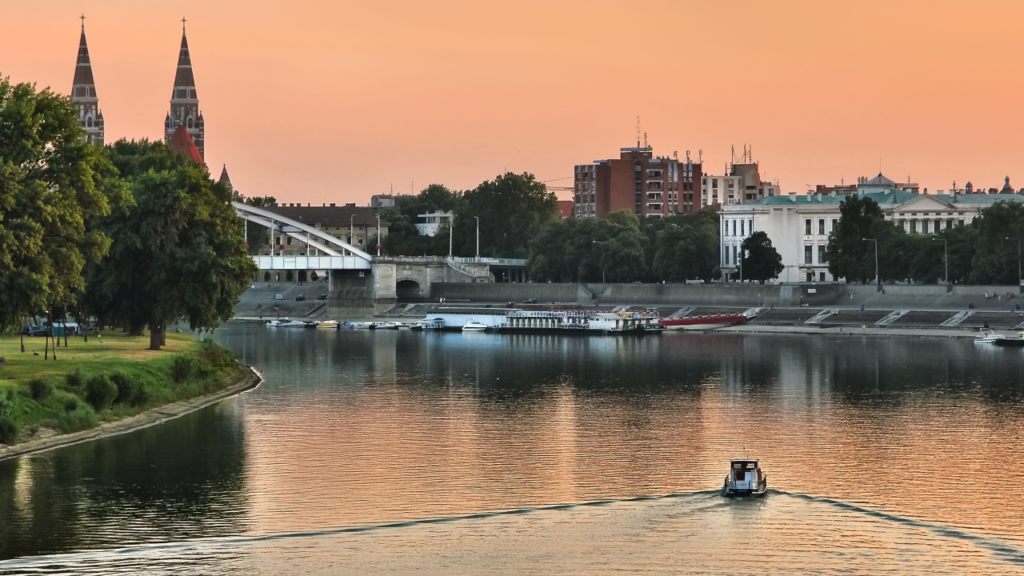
400, 452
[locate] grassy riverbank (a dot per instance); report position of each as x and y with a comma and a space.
102, 380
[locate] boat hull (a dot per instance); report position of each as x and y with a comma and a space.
703, 322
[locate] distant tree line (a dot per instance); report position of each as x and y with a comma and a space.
982, 252
133, 234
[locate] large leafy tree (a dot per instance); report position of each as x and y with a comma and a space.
511, 208
51, 183
849, 255
999, 229
761, 261
684, 246
178, 253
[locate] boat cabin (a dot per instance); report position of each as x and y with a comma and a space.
745, 474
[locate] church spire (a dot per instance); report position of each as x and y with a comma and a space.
185, 100
83, 94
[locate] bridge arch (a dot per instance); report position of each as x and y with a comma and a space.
407, 290
316, 238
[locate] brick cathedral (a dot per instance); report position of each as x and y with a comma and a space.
184, 127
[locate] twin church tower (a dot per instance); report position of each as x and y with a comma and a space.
184, 99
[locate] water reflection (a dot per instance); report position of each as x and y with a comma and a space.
359, 428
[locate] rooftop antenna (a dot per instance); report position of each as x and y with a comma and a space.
637, 131
645, 139
732, 151
675, 154
687, 155
700, 157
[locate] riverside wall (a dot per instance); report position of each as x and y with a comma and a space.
814, 295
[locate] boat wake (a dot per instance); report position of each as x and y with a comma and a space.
1003, 550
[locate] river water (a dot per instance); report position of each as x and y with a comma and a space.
399, 452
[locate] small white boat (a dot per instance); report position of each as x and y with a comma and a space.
286, 323
474, 326
361, 325
745, 478
428, 324
329, 324
384, 325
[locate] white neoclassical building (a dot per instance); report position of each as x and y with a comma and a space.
799, 224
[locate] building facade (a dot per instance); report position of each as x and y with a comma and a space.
637, 181
742, 184
356, 225
83, 95
799, 225
428, 224
185, 102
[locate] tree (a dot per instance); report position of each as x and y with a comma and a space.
619, 246
257, 235
511, 208
995, 260
51, 183
761, 261
178, 253
849, 256
685, 246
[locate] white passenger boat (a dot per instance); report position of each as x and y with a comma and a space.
989, 336
286, 323
361, 325
474, 326
385, 325
745, 478
428, 324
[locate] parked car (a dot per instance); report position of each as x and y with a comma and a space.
530, 301
278, 296
300, 298
322, 297
33, 331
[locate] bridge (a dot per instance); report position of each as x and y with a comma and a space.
354, 273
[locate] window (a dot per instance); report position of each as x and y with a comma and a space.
289, 241
913, 226
807, 255
821, 276
821, 226
726, 255
924, 226
743, 227
834, 224
810, 276
903, 224
821, 255
733, 227
807, 226
734, 260
714, 183
949, 223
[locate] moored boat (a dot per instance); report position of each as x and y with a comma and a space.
329, 325
286, 323
745, 478
989, 336
474, 326
704, 322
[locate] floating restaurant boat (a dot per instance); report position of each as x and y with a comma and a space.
745, 478
573, 321
988, 336
428, 324
704, 322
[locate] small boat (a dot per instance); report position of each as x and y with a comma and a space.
431, 324
312, 324
361, 325
384, 325
474, 326
989, 336
286, 323
745, 478
329, 325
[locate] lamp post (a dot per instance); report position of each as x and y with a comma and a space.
451, 230
876, 257
945, 255
1018, 260
477, 237
351, 229
602, 267
378, 234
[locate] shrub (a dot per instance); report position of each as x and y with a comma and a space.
217, 355
125, 387
81, 418
40, 389
184, 367
71, 404
10, 427
74, 380
100, 392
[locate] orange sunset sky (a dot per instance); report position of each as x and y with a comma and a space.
336, 101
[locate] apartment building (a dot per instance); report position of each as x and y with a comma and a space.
637, 181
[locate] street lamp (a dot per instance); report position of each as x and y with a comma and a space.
1018, 260
351, 232
451, 230
945, 255
876, 257
477, 237
378, 234
602, 267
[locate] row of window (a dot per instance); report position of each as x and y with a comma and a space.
928, 226
744, 227
809, 251
821, 226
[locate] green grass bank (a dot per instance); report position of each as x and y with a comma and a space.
107, 379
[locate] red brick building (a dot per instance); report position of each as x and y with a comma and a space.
637, 181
